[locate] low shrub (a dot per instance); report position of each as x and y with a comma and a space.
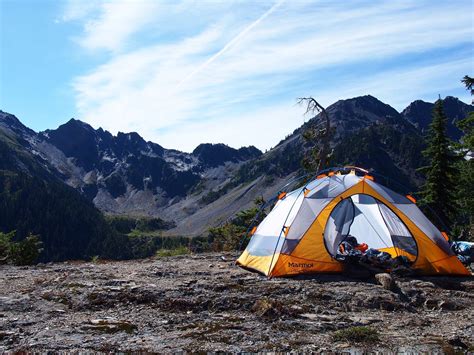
181, 250
359, 334
22, 252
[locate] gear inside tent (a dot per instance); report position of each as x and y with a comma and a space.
341, 215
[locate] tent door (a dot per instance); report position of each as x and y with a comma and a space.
371, 222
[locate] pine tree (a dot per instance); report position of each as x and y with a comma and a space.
438, 191
465, 218
468, 83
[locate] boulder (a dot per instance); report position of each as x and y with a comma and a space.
385, 280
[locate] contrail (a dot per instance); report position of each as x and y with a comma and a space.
231, 43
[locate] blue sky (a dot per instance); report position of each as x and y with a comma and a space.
185, 72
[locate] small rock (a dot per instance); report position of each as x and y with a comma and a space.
58, 311
189, 283
456, 341
110, 326
385, 280
15, 303
267, 308
422, 284
211, 265
449, 305
431, 304
311, 316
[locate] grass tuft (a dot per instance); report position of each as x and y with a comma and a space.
181, 250
359, 334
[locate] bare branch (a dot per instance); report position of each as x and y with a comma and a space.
312, 106
320, 155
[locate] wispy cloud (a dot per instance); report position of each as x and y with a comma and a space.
109, 24
231, 43
187, 72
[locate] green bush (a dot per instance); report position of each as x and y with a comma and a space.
5, 246
23, 252
359, 334
126, 224
229, 236
181, 250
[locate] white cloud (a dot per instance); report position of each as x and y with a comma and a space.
212, 68
118, 20
261, 128
75, 10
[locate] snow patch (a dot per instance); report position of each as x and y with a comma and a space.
180, 161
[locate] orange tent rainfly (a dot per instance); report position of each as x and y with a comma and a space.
303, 231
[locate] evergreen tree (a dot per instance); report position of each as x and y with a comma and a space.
468, 83
438, 191
466, 172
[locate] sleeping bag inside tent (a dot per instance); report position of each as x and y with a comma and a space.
309, 230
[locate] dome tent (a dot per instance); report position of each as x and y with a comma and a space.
305, 227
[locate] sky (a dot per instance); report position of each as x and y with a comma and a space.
185, 72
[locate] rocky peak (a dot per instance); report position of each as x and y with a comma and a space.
420, 114
351, 115
212, 155
75, 139
249, 152
12, 123
133, 143
367, 105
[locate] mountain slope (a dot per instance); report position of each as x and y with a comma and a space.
420, 114
32, 199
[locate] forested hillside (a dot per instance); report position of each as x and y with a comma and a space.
32, 200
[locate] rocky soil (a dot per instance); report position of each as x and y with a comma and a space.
205, 303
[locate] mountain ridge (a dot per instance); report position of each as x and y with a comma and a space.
419, 113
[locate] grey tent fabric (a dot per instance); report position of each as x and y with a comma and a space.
418, 218
334, 186
368, 225
401, 237
338, 225
389, 195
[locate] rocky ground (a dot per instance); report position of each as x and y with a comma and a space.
205, 303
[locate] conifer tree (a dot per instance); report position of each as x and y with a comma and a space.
468, 83
438, 191
466, 171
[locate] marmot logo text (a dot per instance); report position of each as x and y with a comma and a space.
300, 265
